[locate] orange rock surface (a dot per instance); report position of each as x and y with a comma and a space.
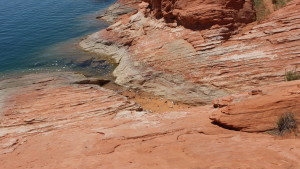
202, 13
188, 51
197, 66
118, 9
49, 122
259, 109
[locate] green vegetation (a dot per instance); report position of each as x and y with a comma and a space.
292, 75
280, 3
287, 123
264, 7
261, 11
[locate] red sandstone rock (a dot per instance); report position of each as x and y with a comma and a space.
118, 9
258, 110
199, 66
49, 122
203, 14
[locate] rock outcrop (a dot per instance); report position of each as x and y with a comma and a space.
48, 122
121, 7
202, 14
63, 120
260, 109
199, 65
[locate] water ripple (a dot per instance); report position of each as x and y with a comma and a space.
29, 29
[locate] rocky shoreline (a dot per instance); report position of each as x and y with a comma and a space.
197, 66
65, 120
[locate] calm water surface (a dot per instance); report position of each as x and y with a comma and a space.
42, 35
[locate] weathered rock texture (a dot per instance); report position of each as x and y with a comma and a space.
57, 121
44, 102
121, 7
196, 66
259, 109
202, 14
49, 122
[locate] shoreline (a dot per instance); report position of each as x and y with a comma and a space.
48, 56
67, 120
148, 101
134, 74
197, 66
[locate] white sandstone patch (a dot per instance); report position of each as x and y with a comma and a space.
247, 56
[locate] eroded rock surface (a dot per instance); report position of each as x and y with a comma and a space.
202, 14
40, 103
62, 120
199, 65
49, 122
119, 8
259, 109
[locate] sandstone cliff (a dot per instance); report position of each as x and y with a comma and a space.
216, 58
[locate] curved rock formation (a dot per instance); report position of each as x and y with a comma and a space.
202, 14
197, 66
62, 120
49, 122
121, 7
260, 109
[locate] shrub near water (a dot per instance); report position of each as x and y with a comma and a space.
287, 123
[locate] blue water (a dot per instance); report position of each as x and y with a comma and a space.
38, 35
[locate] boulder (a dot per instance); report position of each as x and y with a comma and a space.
258, 110
202, 13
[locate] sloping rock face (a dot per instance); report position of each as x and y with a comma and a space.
259, 109
121, 7
197, 66
40, 103
49, 122
202, 14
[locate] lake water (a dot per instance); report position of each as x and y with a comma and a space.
42, 35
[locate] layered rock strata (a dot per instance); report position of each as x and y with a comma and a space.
202, 14
260, 109
115, 11
199, 65
62, 120
50, 121
39, 103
